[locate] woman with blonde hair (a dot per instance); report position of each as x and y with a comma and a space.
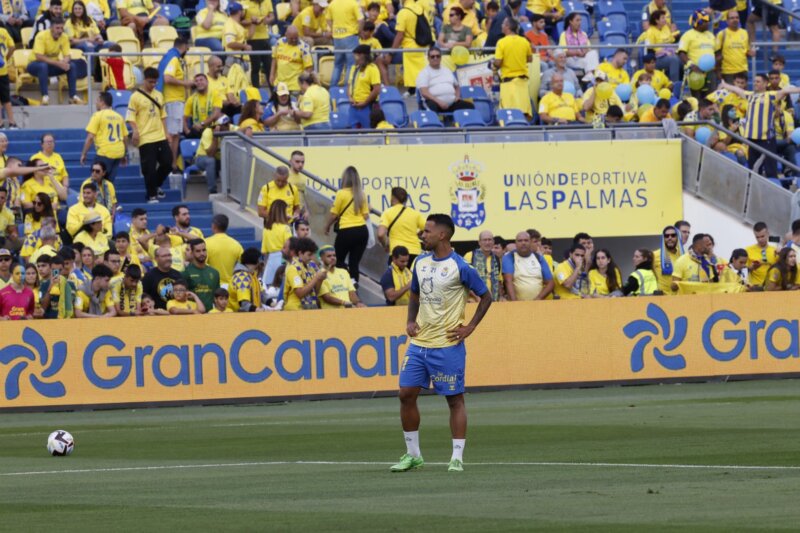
276, 233
350, 212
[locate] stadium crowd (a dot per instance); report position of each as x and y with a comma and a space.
700, 74
178, 270
69, 262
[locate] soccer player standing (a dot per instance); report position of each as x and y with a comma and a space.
440, 285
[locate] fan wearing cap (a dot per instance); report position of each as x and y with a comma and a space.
208, 153
280, 111
696, 43
363, 86
290, 58
202, 108
312, 24
91, 234
234, 35
337, 289
6, 260
594, 105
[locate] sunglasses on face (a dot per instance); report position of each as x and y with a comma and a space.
435, 56
96, 170
5, 259
38, 203
671, 235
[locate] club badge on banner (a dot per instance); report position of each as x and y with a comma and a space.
610, 189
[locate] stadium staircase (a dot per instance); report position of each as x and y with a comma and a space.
129, 184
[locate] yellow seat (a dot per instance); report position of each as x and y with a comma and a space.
162, 36
127, 40
192, 61
325, 70
25, 35
152, 60
19, 61
283, 10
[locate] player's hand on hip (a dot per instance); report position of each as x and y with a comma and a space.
412, 328
459, 334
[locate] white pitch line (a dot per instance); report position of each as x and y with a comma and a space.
377, 463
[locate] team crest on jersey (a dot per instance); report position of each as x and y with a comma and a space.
467, 194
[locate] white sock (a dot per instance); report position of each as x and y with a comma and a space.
458, 449
412, 443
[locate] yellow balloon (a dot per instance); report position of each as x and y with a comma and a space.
604, 90
696, 80
665, 93
460, 55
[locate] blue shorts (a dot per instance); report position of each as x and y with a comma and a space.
443, 366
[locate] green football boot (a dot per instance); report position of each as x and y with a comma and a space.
407, 462
455, 466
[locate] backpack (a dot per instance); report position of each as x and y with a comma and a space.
422, 32
183, 25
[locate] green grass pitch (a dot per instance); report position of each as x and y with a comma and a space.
584, 461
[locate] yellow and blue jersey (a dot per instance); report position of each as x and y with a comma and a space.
760, 121
443, 287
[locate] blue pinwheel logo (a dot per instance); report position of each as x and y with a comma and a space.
20, 357
659, 325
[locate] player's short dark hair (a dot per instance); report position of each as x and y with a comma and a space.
442, 220
499, 240
740, 76
180, 41
399, 251
122, 235
680, 223
194, 242
304, 244
134, 272
298, 152
181, 282
368, 26
101, 271
137, 212
67, 253
151, 73
56, 20
251, 256
89, 185
221, 222
698, 237
704, 103
293, 243
513, 24
796, 226
546, 242
109, 253
759, 226
534, 233
44, 259
105, 96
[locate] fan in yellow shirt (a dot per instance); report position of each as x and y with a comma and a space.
314, 105
290, 58
733, 48
234, 35
337, 289
312, 24
108, 132
557, 106
658, 80
364, 85
760, 255
145, 116
301, 279
245, 287
401, 225
614, 69
405, 37
49, 155
604, 277
279, 189
202, 108
512, 56
184, 301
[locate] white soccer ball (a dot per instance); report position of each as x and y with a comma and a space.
60, 443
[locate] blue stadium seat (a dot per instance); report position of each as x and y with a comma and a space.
425, 119
338, 95
468, 118
119, 98
511, 117
616, 39
122, 109
607, 7
188, 149
483, 104
236, 118
393, 106
170, 11
339, 121
618, 21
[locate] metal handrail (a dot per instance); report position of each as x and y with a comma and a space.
316, 179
